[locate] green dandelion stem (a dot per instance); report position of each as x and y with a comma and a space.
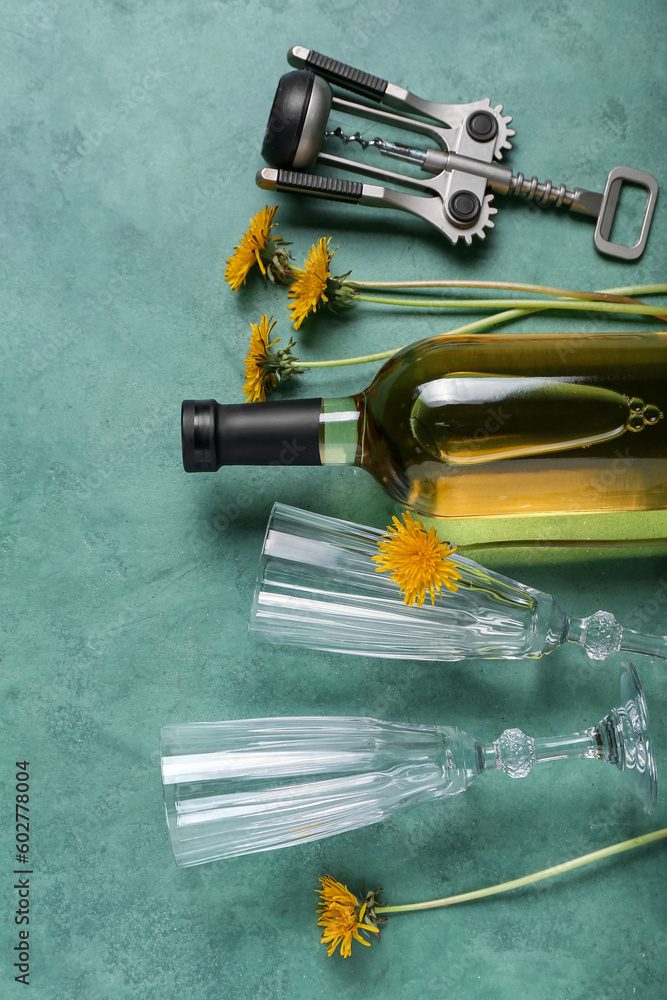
655, 289
605, 852
362, 360
500, 317
530, 305
612, 294
479, 324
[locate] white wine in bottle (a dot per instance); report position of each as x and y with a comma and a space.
477, 426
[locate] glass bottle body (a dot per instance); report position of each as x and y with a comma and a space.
512, 425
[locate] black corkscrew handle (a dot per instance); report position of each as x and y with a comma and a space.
296, 182
338, 73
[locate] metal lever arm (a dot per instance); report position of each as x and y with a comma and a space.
377, 89
428, 205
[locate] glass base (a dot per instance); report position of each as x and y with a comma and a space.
634, 740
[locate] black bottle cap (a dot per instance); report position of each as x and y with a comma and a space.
279, 432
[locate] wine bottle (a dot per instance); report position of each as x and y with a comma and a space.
476, 426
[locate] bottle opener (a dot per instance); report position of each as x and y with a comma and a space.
464, 144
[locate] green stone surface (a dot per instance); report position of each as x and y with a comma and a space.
131, 133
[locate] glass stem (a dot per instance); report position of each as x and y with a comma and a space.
600, 634
515, 753
584, 744
639, 642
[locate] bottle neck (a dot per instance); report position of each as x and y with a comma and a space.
341, 431
275, 432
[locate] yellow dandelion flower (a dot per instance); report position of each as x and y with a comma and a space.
308, 290
253, 246
418, 560
264, 368
259, 379
343, 916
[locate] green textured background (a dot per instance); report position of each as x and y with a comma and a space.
130, 139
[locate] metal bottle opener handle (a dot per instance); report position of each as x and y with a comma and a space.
612, 193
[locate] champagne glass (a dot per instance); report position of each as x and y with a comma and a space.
234, 788
319, 587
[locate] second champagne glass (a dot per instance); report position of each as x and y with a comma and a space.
238, 787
